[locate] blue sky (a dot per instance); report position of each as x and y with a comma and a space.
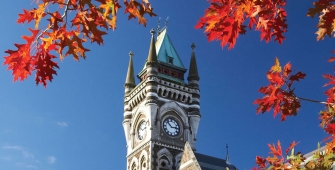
76, 122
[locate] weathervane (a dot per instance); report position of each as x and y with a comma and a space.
158, 25
166, 21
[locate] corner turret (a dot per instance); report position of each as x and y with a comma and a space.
152, 56
130, 79
193, 76
193, 82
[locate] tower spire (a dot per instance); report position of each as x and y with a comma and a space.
130, 79
152, 56
158, 26
227, 157
193, 71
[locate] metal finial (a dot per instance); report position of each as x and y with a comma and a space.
158, 25
131, 54
152, 31
227, 157
193, 46
227, 148
166, 21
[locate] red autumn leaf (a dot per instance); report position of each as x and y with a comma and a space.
297, 76
19, 61
89, 20
25, 17
332, 59
287, 70
292, 145
331, 79
330, 128
275, 151
138, 10
45, 67
224, 20
261, 162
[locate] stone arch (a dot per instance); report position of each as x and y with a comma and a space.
164, 157
188, 99
183, 99
138, 113
174, 95
134, 163
172, 106
178, 97
144, 160
159, 91
177, 159
164, 93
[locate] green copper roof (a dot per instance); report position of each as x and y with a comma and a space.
165, 50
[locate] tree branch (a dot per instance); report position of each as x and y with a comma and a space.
314, 101
64, 15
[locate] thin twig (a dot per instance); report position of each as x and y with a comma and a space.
64, 15
314, 101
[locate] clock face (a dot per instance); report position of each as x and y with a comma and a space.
171, 127
141, 130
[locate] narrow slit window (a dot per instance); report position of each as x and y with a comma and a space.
170, 60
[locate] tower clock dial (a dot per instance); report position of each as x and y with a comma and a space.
171, 127
141, 130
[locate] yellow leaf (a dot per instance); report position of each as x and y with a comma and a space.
276, 67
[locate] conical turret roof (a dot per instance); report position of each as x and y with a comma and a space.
152, 56
193, 71
130, 79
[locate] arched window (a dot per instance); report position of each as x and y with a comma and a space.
160, 91
143, 163
164, 162
178, 98
133, 166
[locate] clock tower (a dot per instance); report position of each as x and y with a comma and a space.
162, 112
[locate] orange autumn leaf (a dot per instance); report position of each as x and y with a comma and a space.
224, 20
292, 145
20, 60
90, 22
278, 95
276, 67
275, 151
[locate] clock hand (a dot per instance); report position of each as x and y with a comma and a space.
174, 127
170, 125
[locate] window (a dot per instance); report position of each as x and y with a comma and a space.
143, 164
170, 60
133, 167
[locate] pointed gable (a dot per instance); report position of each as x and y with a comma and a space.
188, 160
166, 52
